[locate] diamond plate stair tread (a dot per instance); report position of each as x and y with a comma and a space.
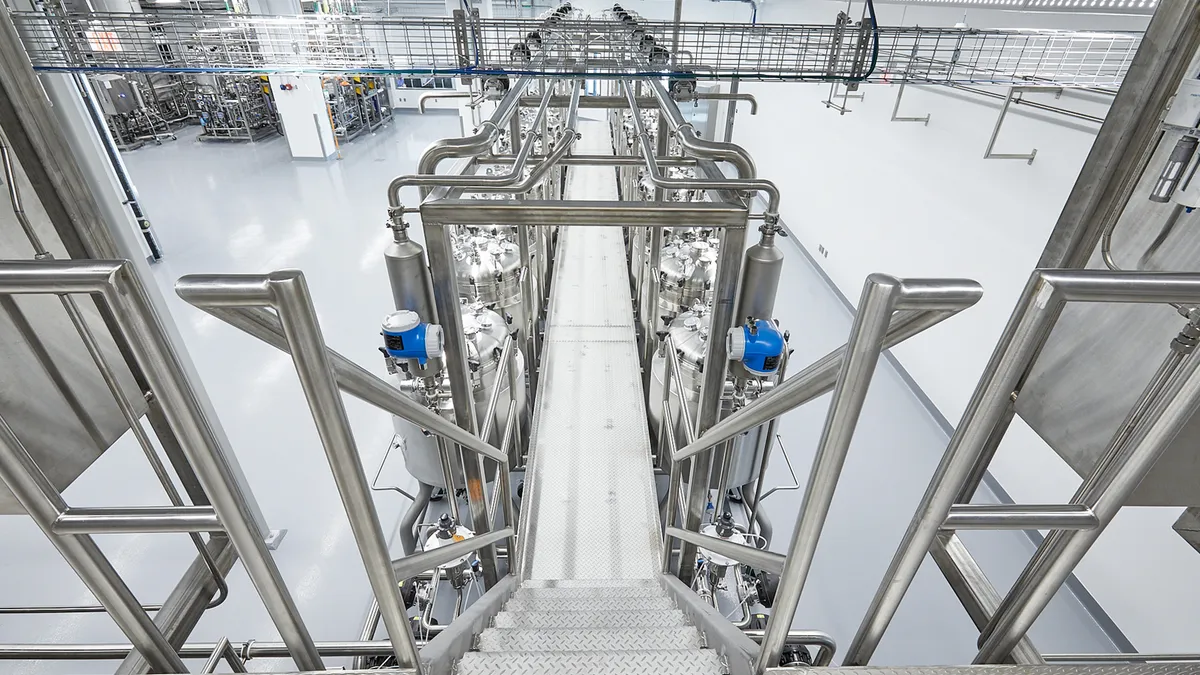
588, 604
590, 583
588, 639
662, 662
1050, 669
602, 619
593, 593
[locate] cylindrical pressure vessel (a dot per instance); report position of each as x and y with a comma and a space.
761, 268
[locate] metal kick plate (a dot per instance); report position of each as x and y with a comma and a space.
1100, 357
1080, 669
593, 511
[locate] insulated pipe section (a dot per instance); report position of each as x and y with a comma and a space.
1018, 347
923, 303
693, 143
659, 180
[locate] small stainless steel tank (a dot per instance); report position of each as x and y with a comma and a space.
690, 334
687, 271
484, 331
488, 267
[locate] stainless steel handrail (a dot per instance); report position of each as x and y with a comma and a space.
287, 293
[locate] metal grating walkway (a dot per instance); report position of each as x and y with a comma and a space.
593, 510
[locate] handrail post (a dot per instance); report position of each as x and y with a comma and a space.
294, 304
879, 299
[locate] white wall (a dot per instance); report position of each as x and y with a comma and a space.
914, 200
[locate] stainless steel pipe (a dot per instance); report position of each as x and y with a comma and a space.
747, 555
659, 180
692, 142
1020, 517
108, 520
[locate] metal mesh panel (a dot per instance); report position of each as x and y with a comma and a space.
597, 47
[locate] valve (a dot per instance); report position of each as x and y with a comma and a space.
758, 345
406, 337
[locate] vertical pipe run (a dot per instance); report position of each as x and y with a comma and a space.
445, 293
875, 306
729, 272
44, 504
303, 334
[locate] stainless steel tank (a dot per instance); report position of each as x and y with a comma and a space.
488, 268
484, 331
690, 333
687, 271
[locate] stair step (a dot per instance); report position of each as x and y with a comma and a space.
649, 662
590, 583
588, 639
592, 592
588, 604
672, 618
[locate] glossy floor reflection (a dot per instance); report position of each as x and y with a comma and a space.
250, 209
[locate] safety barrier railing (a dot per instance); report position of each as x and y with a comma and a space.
890, 310
244, 301
116, 289
1169, 400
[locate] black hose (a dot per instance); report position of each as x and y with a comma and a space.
408, 540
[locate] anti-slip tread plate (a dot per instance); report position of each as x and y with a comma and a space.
593, 510
589, 639
659, 662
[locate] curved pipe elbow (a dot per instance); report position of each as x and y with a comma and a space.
453, 94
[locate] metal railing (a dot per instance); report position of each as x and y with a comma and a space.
889, 311
117, 289
243, 301
597, 47
1169, 401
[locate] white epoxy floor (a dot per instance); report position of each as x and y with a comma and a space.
250, 209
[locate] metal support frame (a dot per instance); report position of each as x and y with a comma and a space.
1037, 311
896, 108
1008, 101
120, 291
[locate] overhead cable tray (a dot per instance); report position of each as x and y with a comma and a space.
596, 47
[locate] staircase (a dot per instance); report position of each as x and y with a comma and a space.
591, 627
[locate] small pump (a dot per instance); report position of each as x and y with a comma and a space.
758, 345
406, 337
